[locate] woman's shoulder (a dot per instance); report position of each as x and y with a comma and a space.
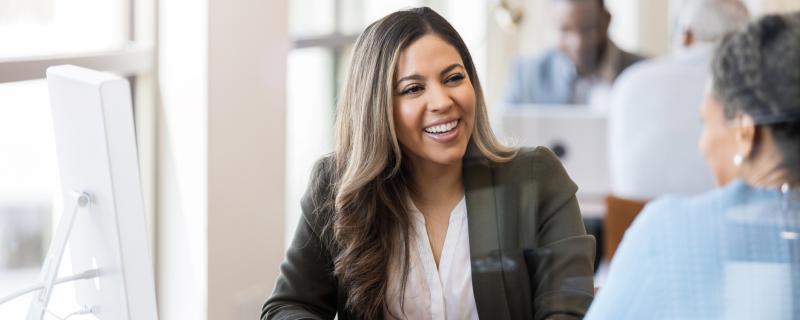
317, 202
694, 202
321, 179
537, 155
534, 162
534, 165
678, 209
324, 166
528, 157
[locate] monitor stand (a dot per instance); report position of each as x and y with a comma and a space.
72, 203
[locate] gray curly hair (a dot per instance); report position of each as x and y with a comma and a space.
757, 72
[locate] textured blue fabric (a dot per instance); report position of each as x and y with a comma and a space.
732, 253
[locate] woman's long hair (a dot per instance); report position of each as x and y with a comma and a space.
370, 224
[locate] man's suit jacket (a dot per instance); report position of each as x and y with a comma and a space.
531, 257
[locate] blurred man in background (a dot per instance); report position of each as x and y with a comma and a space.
585, 62
654, 124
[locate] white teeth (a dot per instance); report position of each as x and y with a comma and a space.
442, 128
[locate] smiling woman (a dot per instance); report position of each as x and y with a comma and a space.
420, 213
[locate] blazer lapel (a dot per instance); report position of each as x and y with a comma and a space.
484, 241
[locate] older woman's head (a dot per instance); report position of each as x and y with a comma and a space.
752, 114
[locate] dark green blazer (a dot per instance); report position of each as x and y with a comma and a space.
531, 257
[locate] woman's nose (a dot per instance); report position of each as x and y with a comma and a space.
439, 99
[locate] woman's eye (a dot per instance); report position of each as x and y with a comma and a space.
412, 90
455, 78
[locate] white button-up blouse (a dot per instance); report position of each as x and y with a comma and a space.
430, 292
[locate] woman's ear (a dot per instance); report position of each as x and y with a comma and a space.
745, 135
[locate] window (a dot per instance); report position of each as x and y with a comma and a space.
61, 26
27, 188
100, 34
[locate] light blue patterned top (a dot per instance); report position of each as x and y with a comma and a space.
732, 253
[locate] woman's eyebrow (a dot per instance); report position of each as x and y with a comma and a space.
451, 67
419, 77
409, 77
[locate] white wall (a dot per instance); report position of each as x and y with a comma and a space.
220, 163
641, 26
248, 44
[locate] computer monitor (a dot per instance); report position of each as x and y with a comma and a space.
97, 158
576, 133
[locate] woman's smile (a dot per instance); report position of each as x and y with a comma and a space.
443, 132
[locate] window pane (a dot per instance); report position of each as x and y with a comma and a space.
28, 165
310, 101
343, 63
33, 27
310, 18
357, 14
28, 181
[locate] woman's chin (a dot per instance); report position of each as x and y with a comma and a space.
438, 155
449, 157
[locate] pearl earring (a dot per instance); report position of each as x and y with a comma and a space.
738, 159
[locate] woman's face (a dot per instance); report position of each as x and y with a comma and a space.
718, 141
434, 102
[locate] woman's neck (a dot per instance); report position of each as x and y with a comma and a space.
433, 183
768, 169
774, 177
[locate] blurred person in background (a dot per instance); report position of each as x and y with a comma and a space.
653, 122
420, 213
733, 252
586, 62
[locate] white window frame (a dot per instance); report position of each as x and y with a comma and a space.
136, 61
